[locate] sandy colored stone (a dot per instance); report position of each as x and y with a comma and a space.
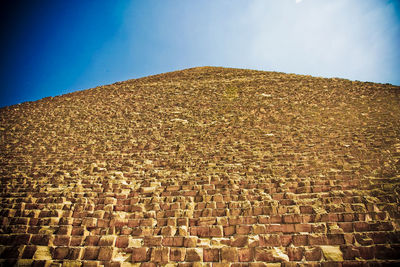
42, 253
332, 253
24, 263
106, 253
140, 254
279, 254
229, 254
72, 264
134, 242
177, 254
107, 240
160, 255
194, 255
205, 164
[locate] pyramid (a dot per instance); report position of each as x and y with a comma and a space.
204, 167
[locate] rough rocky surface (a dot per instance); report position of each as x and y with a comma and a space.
204, 167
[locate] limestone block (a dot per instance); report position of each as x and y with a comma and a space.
168, 231
110, 200
246, 254
140, 254
147, 190
42, 253
135, 242
332, 253
106, 240
177, 254
106, 253
72, 264
89, 222
24, 263
160, 255
279, 254
194, 255
229, 254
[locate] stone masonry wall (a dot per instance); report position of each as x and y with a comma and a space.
204, 167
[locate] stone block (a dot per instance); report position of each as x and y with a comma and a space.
264, 255
21, 239
367, 253
28, 253
140, 254
332, 253
61, 240
76, 241
240, 241
313, 254
91, 253
122, 242
259, 229
243, 229
291, 218
216, 231
211, 255
273, 240
270, 255
246, 254
350, 252
229, 230
168, 231
89, 222
42, 253
160, 255
190, 242
229, 254
40, 240
75, 253
317, 239
106, 253
173, 241
177, 254
194, 254
106, 240
60, 253
152, 241
92, 240
303, 228
295, 253
336, 239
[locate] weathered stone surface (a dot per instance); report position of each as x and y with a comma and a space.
332, 253
177, 254
140, 254
160, 255
194, 255
60, 253
42, 253
229, 254
203, 167
106, 253
122, 241
313, 254
240, 241
91, 253
211, 255
246, 254
107, 241
279, 254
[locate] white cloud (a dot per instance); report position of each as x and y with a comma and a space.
349, 39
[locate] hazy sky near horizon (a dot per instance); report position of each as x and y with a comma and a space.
50, 48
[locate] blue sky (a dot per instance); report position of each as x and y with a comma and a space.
52, 47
